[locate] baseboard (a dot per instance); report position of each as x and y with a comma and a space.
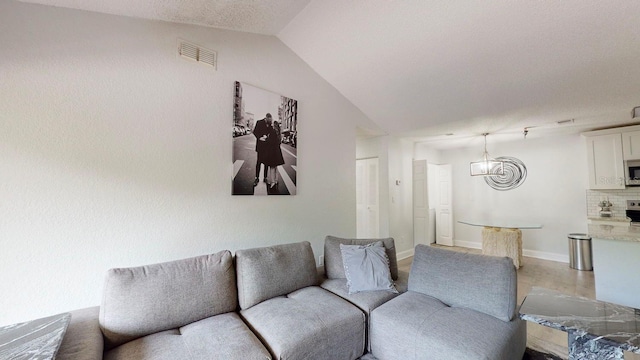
468, 244
546, 255
476, 245
404, 254
529, 253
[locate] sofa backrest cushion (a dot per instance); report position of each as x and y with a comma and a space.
483, 283
264, 273
333, 265
143, 300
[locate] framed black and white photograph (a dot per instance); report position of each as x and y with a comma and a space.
265, 129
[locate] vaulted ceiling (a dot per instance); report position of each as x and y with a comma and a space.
426, 68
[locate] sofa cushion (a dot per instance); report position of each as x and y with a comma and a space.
144, 300
366, 268
415, 326
310, 323
222, 337
480, 282
366, 301
369, 300
264, 273
333, 264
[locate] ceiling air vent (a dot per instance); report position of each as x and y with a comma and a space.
197, 53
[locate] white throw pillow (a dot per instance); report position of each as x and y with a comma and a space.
366, 267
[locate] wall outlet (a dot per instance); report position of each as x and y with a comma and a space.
320, 260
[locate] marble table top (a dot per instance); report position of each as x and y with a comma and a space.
34, 340
507, 224
613, 324
611, 220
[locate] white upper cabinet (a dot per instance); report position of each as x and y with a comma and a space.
631, 145
605, 161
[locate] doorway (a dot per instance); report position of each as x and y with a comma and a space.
423, 211
367, 199
443, 204
432, 204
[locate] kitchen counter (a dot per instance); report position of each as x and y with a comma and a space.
616, 270
622, 232
613, 220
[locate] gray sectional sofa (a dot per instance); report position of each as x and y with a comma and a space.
295, 318
272, 303
458, 306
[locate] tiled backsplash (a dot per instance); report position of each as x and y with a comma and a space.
617, 197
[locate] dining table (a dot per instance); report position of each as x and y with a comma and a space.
502, 237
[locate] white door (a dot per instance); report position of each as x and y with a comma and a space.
444, 206
367, 193
420, 203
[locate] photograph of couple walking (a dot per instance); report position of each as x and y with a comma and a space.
264, 142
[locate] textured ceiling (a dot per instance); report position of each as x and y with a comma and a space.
425, 68
264, 17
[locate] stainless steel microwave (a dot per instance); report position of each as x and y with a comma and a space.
633, 176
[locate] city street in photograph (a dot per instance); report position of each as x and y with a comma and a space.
264, 142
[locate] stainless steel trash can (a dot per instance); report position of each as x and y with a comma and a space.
580, 254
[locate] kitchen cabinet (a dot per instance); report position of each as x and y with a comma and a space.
631, 145
605, 161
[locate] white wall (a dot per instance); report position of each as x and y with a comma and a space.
553, 193
424, 152
116, 152
401, 195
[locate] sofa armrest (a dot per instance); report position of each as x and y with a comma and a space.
83, 339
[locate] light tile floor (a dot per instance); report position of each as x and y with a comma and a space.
552, 275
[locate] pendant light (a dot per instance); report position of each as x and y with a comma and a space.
487, 166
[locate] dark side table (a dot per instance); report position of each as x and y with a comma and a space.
33, 340
596, 329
